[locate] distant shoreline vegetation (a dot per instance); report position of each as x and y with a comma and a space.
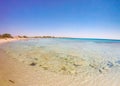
44, 37
7, 35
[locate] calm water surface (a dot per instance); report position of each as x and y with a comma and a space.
67, 55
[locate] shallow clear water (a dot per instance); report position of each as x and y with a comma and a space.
67, 55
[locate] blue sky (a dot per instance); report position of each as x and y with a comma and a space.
72, 18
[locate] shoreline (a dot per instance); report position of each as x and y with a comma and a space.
7, 40
15, 73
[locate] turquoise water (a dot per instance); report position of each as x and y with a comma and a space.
67, 55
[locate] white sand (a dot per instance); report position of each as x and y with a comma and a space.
6, 40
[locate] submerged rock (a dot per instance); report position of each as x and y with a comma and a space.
64, 68
110, 64
45, 67
95, 66
11, 81
100, 70
118, 62
33, 64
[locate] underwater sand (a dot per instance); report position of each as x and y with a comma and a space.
60, 62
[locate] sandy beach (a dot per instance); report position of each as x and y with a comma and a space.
59, 42
7, 40
15, 73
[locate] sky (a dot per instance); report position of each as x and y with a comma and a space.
68, 18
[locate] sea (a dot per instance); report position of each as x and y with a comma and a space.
69, 56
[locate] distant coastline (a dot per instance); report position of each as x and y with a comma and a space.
9, 36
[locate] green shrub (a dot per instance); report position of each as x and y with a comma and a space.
20, 37
0, 36
6, 35
25, 37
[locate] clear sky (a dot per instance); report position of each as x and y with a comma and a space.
72, 18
